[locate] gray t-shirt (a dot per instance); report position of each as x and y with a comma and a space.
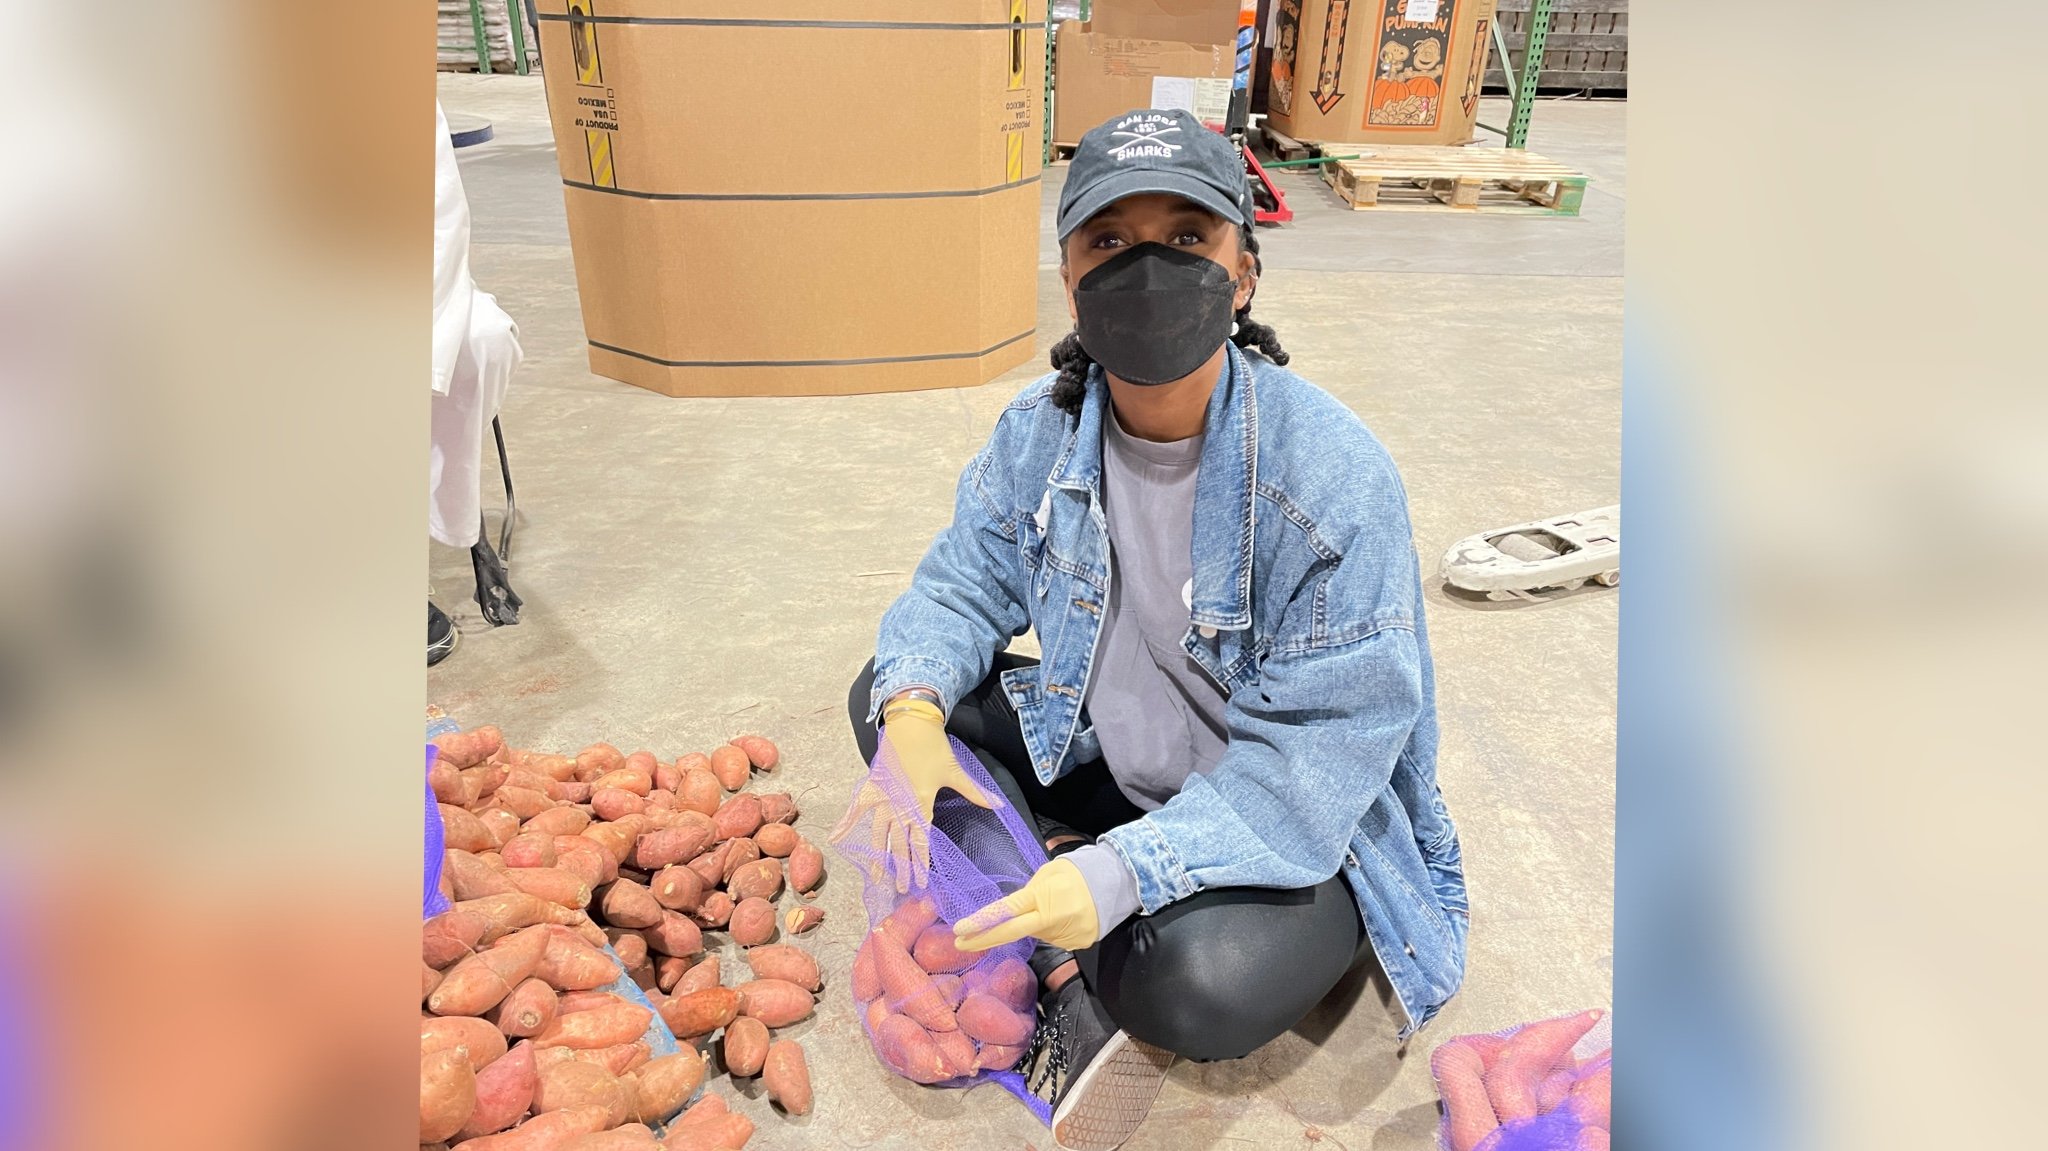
1158, 714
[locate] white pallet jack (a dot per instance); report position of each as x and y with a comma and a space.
1557, 554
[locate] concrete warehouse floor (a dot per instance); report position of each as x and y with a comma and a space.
697, 568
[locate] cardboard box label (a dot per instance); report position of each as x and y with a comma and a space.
597, 107
1207, 97
1408, 75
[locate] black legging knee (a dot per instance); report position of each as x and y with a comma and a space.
1197, 978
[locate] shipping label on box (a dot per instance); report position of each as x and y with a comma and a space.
1207, 97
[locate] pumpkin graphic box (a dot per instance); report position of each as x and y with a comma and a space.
1379, 71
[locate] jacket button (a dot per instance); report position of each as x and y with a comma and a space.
1351, 858
1206, 632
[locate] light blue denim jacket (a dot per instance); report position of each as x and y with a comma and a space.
1306, 608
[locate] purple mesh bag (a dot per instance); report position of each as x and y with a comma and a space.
432, 902
978, 856
1537, 1087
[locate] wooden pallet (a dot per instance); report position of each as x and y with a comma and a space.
1423, 178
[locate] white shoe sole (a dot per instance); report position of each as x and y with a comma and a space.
1111, 1096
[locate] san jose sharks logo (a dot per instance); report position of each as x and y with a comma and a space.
1143, 135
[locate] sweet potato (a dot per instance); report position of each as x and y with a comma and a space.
451, 935
951, 988
990, 1020
607, 1026
628, 946
555, 884
524, 802
641, 761
710, 866
631, 1137
698, 978
687, 835
617, 836
908, 986
737, 817
668, 971
429, 979
599, 758
1011, 982
802, 919
571, 964
447, 1094
776, 840
616, 1059
1516, 1074
529, 849
678, 888
644, 976
559, 821
702, 1111
1592, 1138
472, 877
661, 1086
444, 779
776, 1002
996, 1057
479, 782
586, 929
877, 1011
723, 1132
762, 754
509, 911
667, 776
806, 867
569, 1001
500, 823
615, 803
625, 779
546, 762
730, 765
1591, 1097
569, 791
580, 1084
697, 789
714, 910
527, 1010
504, 1090
778, 807
700, 1012
478, 1041
752, 922
674, 935
787, 1078
934, 951
746, 1046
760, 879
866, 982
460, 749
738, 853
476, 984
627, 904
1459, 1071
661, 797
910, 1050
553, 1131
787, 963
585, 860
957, 1051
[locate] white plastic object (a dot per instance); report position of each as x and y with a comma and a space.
1559, 553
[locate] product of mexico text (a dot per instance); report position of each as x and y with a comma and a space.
935, 1014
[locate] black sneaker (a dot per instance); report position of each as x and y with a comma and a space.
1099, 1080
441, 634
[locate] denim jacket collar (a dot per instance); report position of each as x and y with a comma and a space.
1225, 486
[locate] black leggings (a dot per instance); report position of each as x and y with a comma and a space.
1213, 976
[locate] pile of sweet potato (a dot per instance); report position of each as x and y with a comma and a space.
934, 1012
551, 858
1524, 1080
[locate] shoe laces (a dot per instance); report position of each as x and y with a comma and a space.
1049, 1038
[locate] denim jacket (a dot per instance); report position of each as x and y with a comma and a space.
1306, 607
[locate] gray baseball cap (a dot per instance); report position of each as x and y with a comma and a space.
1154, 151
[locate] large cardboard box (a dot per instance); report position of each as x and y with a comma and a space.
800, 197
1378, 71
1101, 76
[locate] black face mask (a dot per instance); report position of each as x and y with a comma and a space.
1154, 314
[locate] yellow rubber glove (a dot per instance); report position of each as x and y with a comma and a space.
915, 731
1054, 907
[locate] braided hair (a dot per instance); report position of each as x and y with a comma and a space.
1073, 362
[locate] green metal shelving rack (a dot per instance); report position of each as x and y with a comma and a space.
1522, 91
515, 19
